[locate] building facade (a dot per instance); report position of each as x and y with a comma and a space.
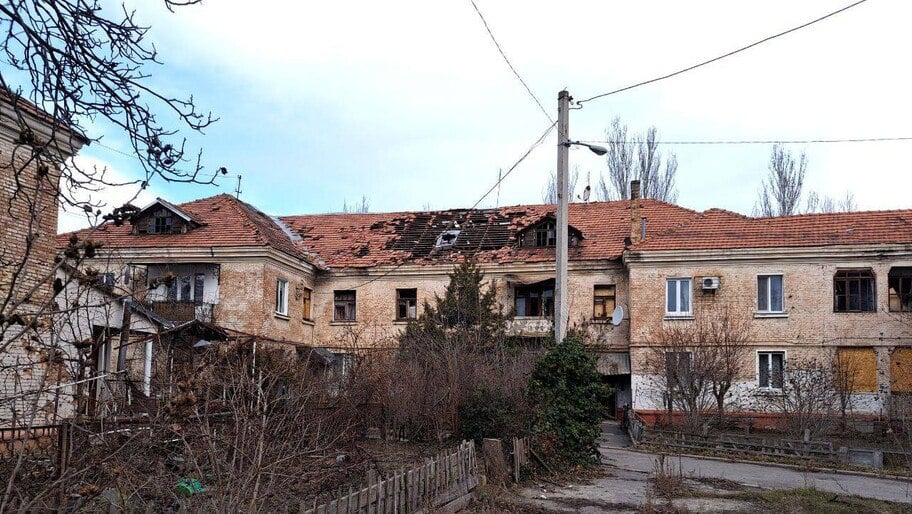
805, 287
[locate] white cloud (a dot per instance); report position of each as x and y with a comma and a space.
424, 78
120, 191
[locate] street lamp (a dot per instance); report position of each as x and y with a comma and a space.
596, 149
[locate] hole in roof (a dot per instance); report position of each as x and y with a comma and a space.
447, 238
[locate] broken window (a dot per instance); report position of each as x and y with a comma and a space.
305, 303
106, 280
535, 299
161, 222
769, 293
770, 366
281, 304
901, 370
199, 281
545, 234
900, 282
853, 291
603, 302
344, 306
406, 304
856, 370
186, 289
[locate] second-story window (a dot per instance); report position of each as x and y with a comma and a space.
281, 303
677, 297
306, 305
535, 299
199, 281
853, 291
769, 293
603, 302
406, 304
344, 306
900, 280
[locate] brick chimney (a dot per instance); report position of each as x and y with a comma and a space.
636, 221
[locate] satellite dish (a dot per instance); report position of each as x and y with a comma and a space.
618, 316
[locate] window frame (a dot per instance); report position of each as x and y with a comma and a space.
353, 304
853, 275
307, 304
678, 313
770, 387
411, 311
281, 300
167, 221
545, 303
903, 274
769, 293
599, 300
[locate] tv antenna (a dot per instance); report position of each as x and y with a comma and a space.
618, 316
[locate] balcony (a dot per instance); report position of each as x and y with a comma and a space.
530, 326
181, 312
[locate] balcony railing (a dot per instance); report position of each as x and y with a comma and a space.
181, 312
530, 326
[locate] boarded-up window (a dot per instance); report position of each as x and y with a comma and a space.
603, 302
856, 370
901, 370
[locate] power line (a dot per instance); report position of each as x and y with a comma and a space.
521, 159
723, 56
488, 192
507, 60
762, 141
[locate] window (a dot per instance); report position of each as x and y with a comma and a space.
678, 365
344, 306
603, 302
856, 370
900, 282
535, 299
281, 304
161, 222
545, 234
769, 293
306, 303
106, 280
770, 366
406, 303
186, 288
677, 297
199, 281
853, 291
901, 370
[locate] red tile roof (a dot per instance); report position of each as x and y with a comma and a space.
364, 240
720, 229
228, 223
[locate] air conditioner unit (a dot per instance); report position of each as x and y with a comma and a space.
710, 283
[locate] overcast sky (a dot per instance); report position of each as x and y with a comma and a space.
410, 104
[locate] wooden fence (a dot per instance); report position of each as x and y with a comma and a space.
521, 450
440, 482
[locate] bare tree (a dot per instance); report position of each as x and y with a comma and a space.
638, 159
361, 207
549, 193
781, 192
808, 400
697, 363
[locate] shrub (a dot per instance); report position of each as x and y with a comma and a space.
568, 396
492, 413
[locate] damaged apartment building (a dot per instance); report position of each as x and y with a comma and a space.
807, 285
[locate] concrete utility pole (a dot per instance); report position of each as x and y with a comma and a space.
563, 165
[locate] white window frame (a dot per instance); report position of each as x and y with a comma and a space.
677, 281
769, 293
281, 304
784, 365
